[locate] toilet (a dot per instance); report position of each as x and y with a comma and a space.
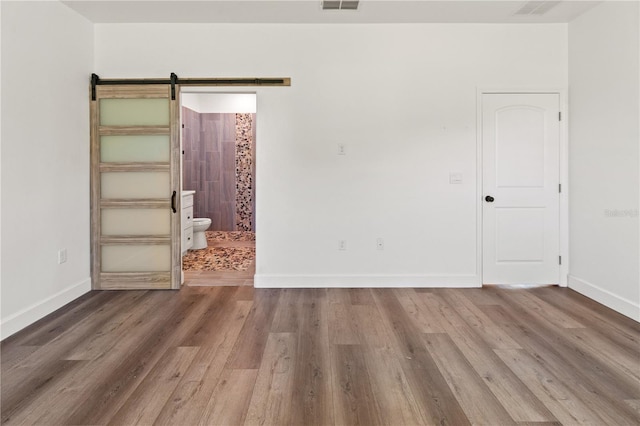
199, 237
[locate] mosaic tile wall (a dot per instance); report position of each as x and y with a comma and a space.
210, 167
244, 172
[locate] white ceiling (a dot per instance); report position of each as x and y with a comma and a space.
310, 11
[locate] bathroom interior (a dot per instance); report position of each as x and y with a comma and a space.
218, 181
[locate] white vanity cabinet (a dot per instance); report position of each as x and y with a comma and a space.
187, 220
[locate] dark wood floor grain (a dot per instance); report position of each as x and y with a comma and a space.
243, 356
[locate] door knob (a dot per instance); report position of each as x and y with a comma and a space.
489, 199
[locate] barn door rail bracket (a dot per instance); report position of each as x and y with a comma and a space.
174, 80
94, 82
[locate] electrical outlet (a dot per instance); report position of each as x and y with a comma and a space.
342, 244
380, 244
62, 256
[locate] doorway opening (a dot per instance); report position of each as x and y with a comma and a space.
218, 135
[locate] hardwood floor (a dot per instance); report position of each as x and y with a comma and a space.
235, 355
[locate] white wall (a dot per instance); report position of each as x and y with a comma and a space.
403, 99
196, 99
47, 57
604, 171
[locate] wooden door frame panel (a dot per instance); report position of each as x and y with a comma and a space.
564, 175
176, 185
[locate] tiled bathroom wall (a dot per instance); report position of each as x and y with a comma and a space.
218, 165
244, 173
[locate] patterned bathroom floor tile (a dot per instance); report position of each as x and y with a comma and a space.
230, 236
219, 259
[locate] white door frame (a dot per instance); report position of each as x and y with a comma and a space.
564, 175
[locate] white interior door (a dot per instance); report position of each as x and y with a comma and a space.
521, 203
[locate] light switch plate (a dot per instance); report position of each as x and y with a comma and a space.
455, 178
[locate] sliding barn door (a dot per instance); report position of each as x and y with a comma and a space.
135, 188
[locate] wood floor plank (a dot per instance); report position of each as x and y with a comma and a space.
586, 386
343, 330
247, 354
63, 319
518, 400
626, 362
122, 372
620, 330
271, 400
245, 292
418, 311
353, 397
617, 384
75, 386
390, 386
146, 402
481, 296
230, 400
479, 404
17, 400
493, 336
312, 381
192, 395
635, 404
220, 298
427, 383
571, 302
115, 329
361, 296
371, 331
554, 316
45, 362
156, 357
287, 317
15, 354
560, 399
60, 347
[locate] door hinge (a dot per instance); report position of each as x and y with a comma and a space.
183, 125
559, 187
560, 116
559, 260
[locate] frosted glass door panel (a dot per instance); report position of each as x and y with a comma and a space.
136, 222
147, 148
134, 112
136, 258
135, 185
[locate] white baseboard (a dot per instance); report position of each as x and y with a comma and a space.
625, 307
364, 281
33, 313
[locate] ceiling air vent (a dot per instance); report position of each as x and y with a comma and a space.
340, 4
537, 7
